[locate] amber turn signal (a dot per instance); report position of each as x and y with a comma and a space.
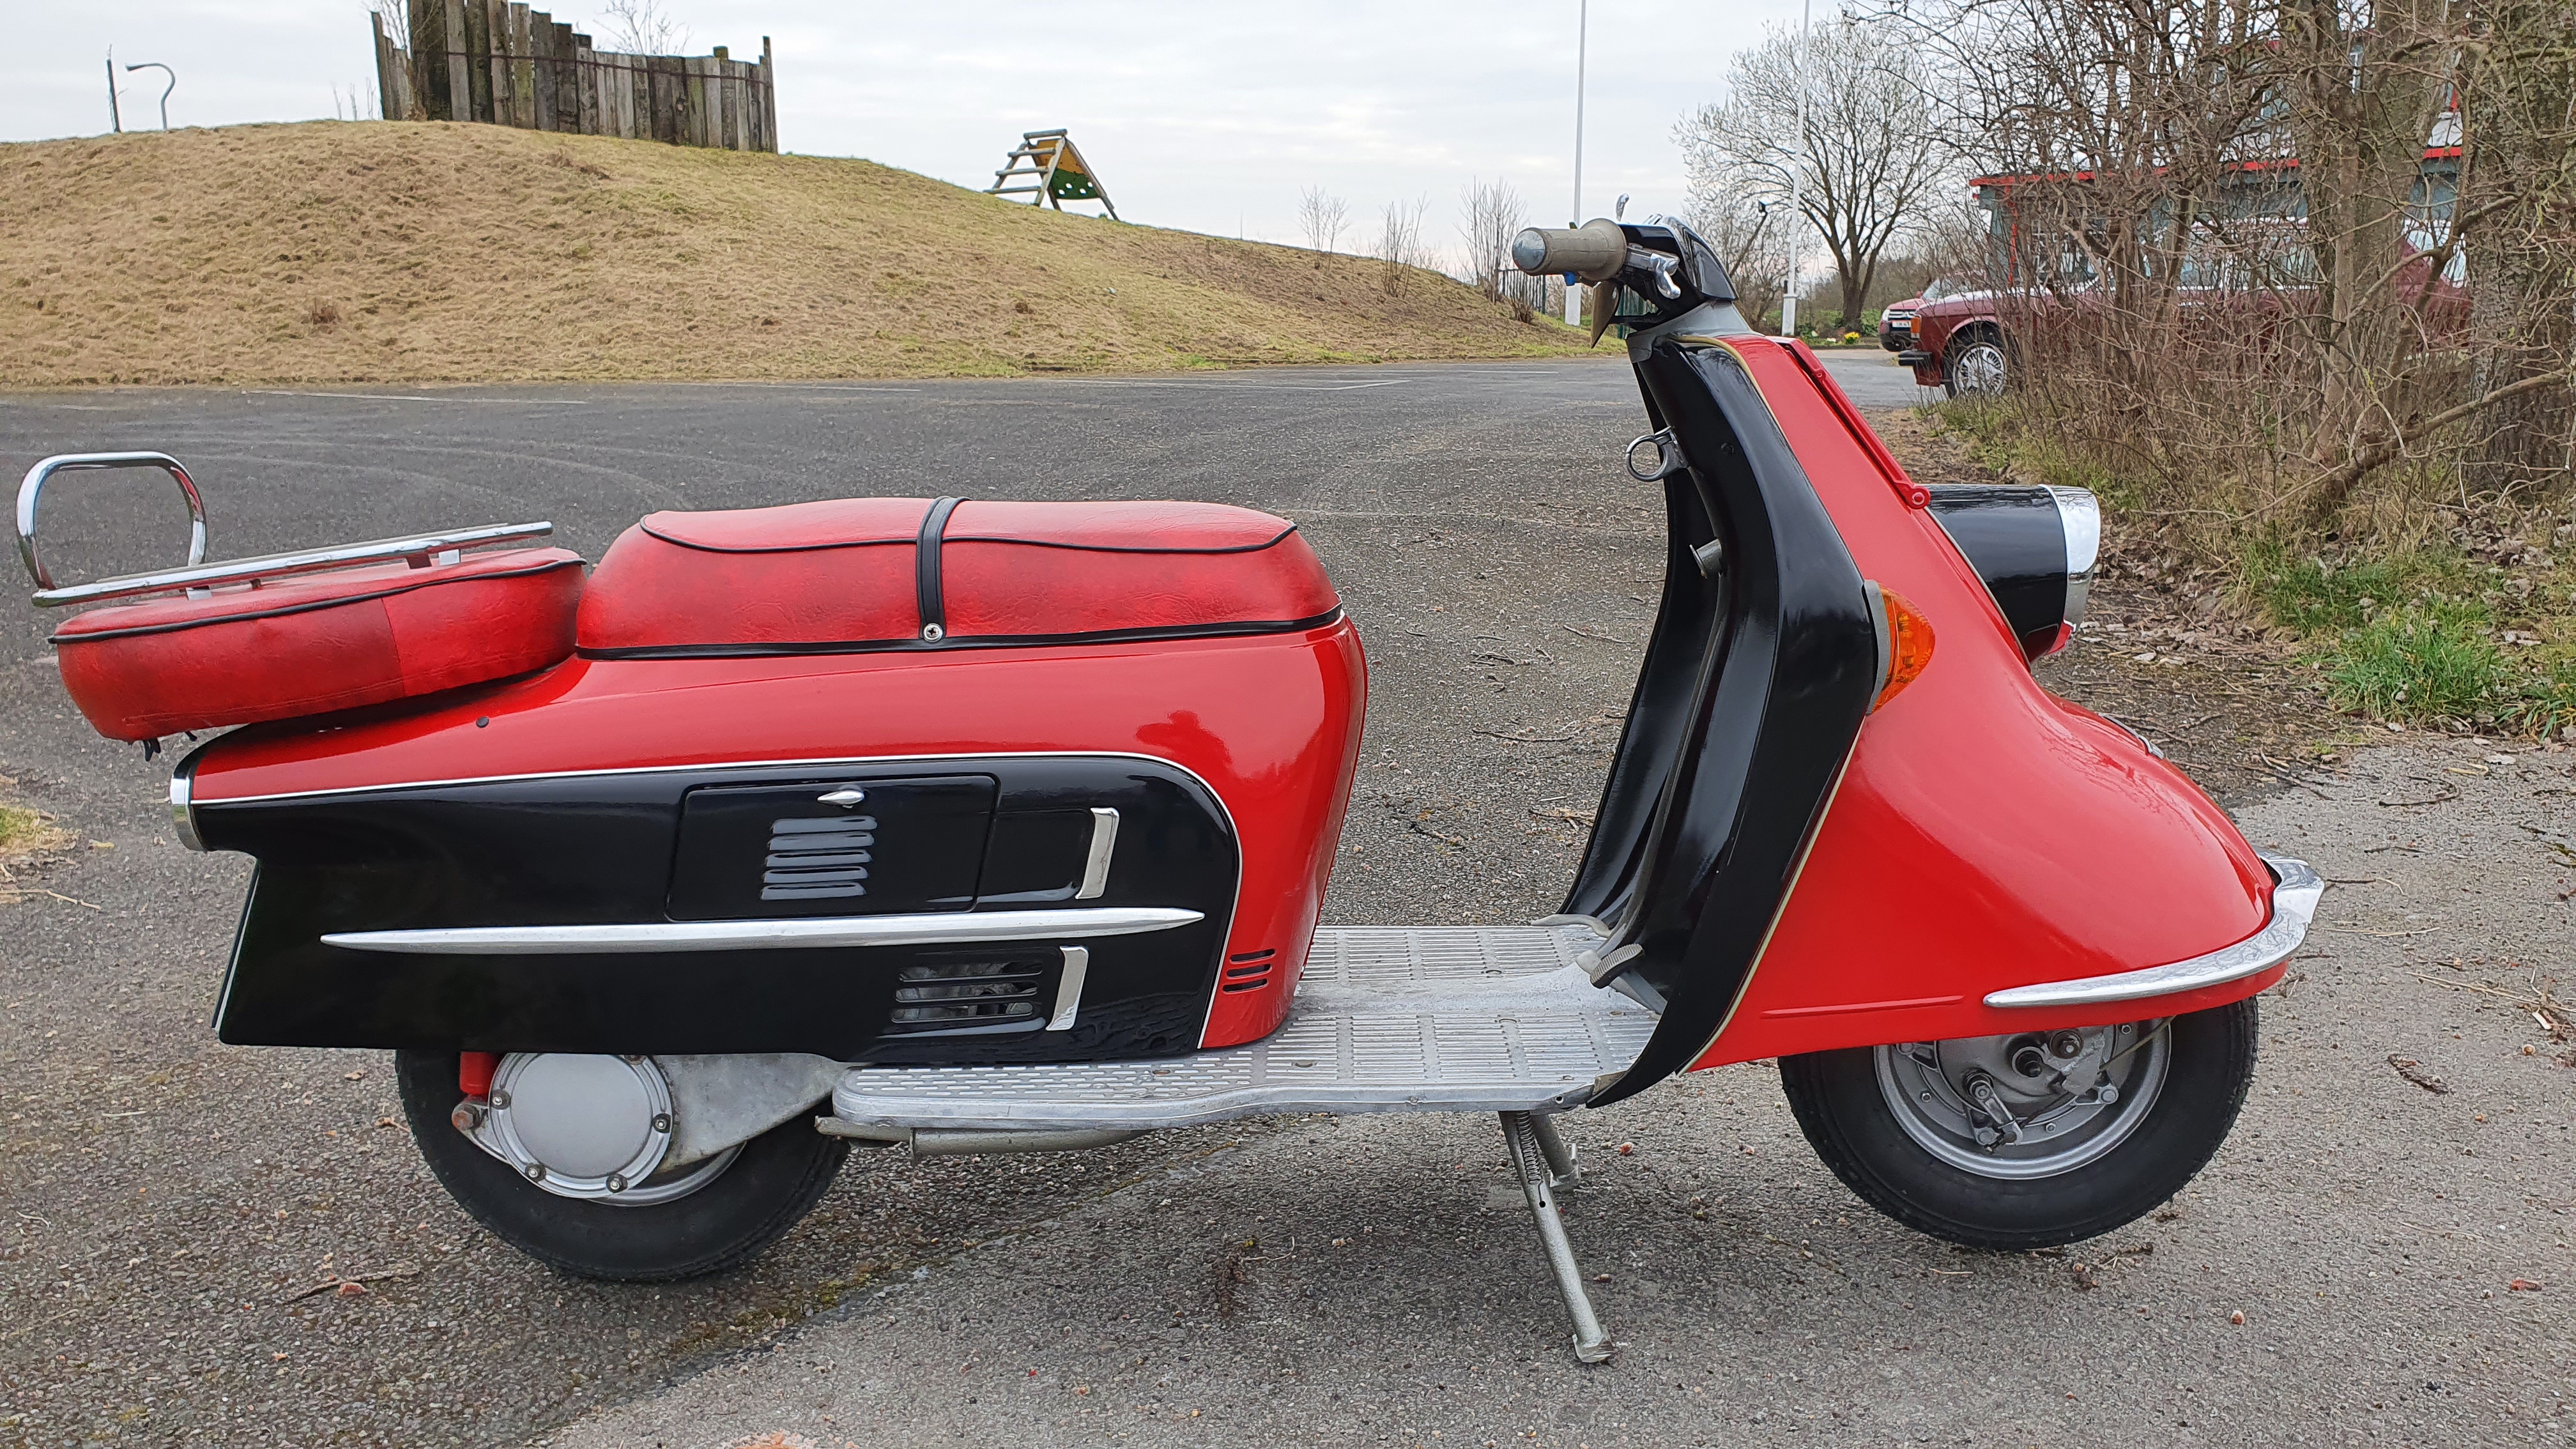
1909, 645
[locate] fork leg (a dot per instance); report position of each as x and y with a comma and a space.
1531, 1165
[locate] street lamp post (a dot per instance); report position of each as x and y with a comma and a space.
1797, 174
1582, 32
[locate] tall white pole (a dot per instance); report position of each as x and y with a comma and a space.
1797, 173
1582, 30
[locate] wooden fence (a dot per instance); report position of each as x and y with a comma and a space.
490, 60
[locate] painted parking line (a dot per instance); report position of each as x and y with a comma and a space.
1241, 386
409, 397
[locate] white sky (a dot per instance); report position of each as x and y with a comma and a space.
1212, 117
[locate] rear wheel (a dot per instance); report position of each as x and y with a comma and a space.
2032, 1139
1977, 365
701, 1218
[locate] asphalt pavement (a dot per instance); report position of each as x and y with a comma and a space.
166, 1204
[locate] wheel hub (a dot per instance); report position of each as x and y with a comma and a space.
2029, 1104
585, 1126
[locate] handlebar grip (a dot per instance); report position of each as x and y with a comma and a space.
1593, 251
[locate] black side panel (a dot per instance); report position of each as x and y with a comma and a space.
2016, 541
1778, 703
1659, 714
580, 850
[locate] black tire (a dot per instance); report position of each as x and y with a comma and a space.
1839, 1103
776, 1180
1961, 373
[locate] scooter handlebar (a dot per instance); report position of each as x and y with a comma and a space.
1594, 251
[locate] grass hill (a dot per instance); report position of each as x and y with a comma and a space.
396, 251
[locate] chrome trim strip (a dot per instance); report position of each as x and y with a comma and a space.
1104, 843
425, 550
388, 787
936, 928
2294, 904
2080, 514
183, 815
1068, 989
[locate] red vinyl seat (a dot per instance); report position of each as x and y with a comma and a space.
315, 643
848, 575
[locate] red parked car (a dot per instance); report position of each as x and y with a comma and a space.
1922, 330
1961, 338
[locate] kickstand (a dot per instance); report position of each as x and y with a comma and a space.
1543, 1164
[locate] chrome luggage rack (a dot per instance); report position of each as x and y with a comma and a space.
198, 578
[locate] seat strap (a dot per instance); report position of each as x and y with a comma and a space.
925, 570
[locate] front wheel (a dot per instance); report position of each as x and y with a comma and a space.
704, 1218
2032, 1139
1977, 366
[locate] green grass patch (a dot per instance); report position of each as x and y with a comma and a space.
2420, 664
2315, 595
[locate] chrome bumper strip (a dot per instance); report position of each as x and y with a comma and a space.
943, 928
2294, 904
183, 810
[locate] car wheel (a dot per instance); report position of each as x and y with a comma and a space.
2032, 1139
1977, 367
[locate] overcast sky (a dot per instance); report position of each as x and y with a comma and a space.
1208, 116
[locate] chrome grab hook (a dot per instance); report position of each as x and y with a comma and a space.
1668, 457
34, 486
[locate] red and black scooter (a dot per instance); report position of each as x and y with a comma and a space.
973, 827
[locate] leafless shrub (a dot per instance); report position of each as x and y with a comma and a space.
1494, 213
1322, 215
1399, 243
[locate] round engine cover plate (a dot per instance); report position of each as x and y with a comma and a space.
581, 1125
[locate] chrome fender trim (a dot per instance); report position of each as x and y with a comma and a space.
935, 928
2294, 904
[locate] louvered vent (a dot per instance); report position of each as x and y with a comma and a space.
964, 995
810, 859
1249, 970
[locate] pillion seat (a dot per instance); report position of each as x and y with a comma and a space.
867, 574
318, 642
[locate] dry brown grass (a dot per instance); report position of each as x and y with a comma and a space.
391, 251
27, 838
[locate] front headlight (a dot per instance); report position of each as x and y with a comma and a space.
2035, 547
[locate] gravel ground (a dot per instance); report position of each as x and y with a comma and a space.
163, 1199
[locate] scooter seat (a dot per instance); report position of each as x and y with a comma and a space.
862, 574
314, 643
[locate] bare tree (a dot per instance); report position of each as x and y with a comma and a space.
1494, 213
1322, 215
1399, 242
1870, 157
1751, 239
2519, 158
2265, 254
642, 27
